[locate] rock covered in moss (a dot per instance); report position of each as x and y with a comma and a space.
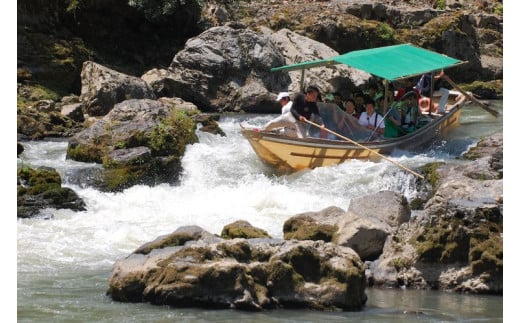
40, 188
364, 227
243, 229
249, 274
138, 142
456, 242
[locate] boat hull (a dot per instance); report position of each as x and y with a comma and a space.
288, 154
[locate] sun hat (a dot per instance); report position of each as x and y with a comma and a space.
282, 95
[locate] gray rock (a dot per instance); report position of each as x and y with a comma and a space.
238, 274
102, 88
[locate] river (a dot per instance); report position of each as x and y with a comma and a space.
64, 261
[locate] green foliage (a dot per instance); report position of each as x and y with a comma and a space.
172, 135
86, 153
157, 10
29, 94
498, 9
440, 4
73, 5
385, 31
430, 172
400, 263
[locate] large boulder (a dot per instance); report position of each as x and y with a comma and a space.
364, 227
223, 69
297, 48
102, 88
138, 142
456, 242
251, 274
228, 69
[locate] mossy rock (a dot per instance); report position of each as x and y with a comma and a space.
41, 188
34, 124
489, 89
430, 172
171, 240
36, 181
240, 251
487, 255
306, 228
116, 178
445, 242
59, 60
243, 229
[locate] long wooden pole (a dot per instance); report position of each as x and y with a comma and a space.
467, 95
364, 147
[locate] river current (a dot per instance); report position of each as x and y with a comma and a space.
64, 259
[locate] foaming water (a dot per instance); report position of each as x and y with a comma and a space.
64, 262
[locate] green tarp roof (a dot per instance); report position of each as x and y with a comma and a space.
390, 62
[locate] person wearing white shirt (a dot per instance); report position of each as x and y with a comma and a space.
370, 119
286, 120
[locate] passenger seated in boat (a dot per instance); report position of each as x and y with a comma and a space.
286, 120
409, 112
391, 115
374, 90
342, 123
372, 120
350, 108
359, 100
408, 86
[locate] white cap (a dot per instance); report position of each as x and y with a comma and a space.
282, 95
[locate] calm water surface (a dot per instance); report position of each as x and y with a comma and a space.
63, 263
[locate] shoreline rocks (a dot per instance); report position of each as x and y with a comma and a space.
454, 244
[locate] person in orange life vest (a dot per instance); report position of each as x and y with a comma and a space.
371, 119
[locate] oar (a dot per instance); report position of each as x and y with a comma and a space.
469, 96
364, 147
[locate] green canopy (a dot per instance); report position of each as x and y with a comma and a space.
389, 62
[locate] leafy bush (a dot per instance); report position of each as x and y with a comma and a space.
157, 10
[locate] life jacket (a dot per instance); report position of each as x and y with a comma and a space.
424, 105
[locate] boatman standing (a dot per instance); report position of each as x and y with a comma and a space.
305, 107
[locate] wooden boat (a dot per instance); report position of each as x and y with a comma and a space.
288, 154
